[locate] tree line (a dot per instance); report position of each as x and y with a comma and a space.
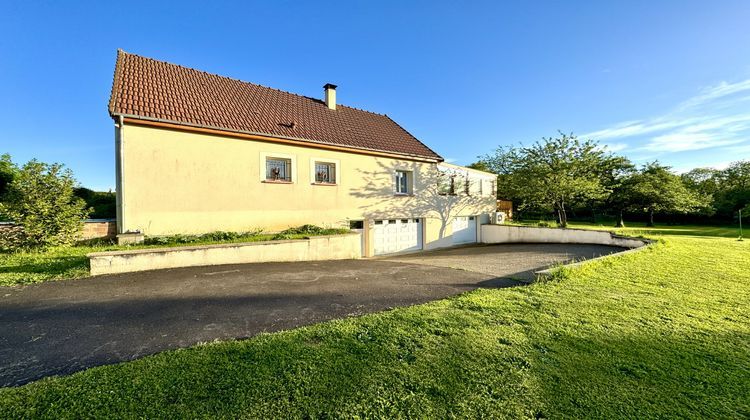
563, 174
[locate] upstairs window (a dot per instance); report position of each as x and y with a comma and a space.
278, 169
325, 173
403, 182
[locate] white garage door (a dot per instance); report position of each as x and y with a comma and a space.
464, 230
397, 235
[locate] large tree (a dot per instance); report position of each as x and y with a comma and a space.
40, 200
550, 174
8, 171
656, 189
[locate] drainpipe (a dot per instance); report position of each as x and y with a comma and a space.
119, 129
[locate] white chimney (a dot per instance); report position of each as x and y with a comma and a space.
330, 95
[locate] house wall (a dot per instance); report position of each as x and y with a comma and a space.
182, 182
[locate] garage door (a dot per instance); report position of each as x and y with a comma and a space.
397, 235
464, 230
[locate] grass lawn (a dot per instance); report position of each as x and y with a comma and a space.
70, 262
658, 333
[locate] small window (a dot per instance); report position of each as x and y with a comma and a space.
404, 221
445, 184
278, 169
403, 182
392, 222
357, 224
416, 220
378, 222
325, 173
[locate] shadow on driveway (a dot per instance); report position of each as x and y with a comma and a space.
59, 328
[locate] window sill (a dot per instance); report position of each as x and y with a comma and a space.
270, 181
403, 194
327, 184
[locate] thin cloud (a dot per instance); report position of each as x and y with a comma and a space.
718, 116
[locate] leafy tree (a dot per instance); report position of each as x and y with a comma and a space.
103, 204
40, 200
480, 166
7, 172
656, 189
550, 174
734, 189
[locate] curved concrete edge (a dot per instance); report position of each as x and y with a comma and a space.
497, 234
547, 273
314, 248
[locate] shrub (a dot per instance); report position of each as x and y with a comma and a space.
217, 236
40, 200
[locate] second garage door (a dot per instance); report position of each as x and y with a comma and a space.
397, 235
464, 230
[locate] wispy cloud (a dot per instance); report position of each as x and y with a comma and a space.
718, 116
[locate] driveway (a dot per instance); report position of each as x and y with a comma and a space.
58, 328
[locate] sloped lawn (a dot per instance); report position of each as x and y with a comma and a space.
658, 333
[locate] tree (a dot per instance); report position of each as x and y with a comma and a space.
551, 174
40, 200
480, 166
656, 189
7, 172
734, 189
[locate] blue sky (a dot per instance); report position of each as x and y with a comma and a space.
667, 80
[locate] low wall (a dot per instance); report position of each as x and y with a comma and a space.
333, 247
92, 229
99, 228
500, 234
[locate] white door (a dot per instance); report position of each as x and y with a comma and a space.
397, 235
464, 230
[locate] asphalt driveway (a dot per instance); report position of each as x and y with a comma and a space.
62, 327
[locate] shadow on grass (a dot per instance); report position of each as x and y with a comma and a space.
45, 264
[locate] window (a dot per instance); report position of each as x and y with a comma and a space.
459, 184
357, 224
445, 184
403, 182
325, 173
278, 169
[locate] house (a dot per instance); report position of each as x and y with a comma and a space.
198, 152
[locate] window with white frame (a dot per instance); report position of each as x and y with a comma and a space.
445, 183
403, 182
278, 169
325, 173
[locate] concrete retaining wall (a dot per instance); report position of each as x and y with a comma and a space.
500, 234
334, 247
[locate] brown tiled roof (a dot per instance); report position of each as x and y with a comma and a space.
148, 89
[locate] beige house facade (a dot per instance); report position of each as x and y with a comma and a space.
178, 176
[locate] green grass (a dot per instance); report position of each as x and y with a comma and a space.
659, 333
70, 262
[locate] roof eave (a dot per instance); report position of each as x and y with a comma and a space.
116, 116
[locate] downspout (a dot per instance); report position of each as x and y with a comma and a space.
119, 129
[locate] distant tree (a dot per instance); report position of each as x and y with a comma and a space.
480, 166
40, 200
103, 204
656, 189
733, 192
550, 174
7, 172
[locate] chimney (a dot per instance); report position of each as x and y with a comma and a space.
330, 95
